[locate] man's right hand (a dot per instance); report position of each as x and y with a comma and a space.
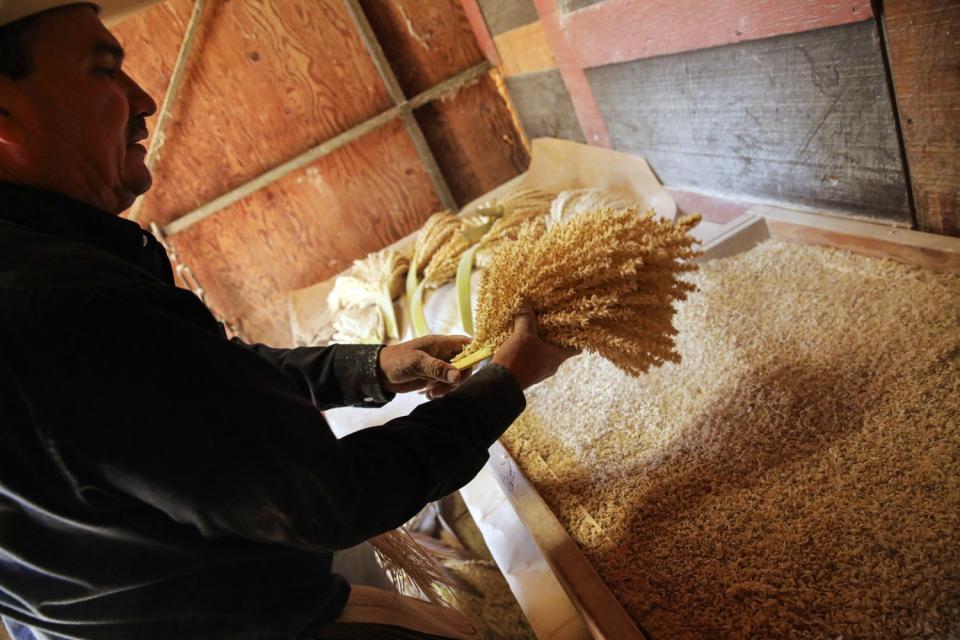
529, 358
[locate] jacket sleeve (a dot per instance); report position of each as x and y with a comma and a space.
170, 413
335, 376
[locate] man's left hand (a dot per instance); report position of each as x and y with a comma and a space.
423, 363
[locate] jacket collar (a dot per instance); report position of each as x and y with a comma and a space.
58, 215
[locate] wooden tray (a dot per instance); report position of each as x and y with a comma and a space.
603, 614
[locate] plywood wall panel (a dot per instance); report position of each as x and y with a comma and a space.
923, 40
267, 81
544, 107
474, 139
803, 118
308, 227
425, 42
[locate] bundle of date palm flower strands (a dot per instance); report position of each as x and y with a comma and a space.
604, 281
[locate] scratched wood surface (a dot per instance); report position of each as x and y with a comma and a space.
923, 40
623, 30
803, 118
308, 227
425, 42
544, 107
506, 15
267, 82
151, 40
474, 138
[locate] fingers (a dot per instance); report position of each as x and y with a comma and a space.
443, 347
431, 368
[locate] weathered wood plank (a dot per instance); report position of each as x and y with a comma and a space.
803, 118
923, 40
927, 250
267, 82
307, 227
474, 139
584, 104
525, 50
623, 30
506, 15
544, 106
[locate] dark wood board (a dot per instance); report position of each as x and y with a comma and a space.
923, 41
506, 15
267, 81
307, 227
425, 42
474, 139
544, 106
803, 118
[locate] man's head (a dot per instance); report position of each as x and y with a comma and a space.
70, 117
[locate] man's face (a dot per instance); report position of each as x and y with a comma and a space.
77, 118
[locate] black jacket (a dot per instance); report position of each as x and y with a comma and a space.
160, 481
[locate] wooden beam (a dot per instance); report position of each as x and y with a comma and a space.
325, 148
525, 50
173, 89
396, 94
575, 80
923, 44
623, 30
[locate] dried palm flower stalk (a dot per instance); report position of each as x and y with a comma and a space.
604, 281
443, 263
518, 208
574, 202
373, 281
436, 231
411, 569
527, 205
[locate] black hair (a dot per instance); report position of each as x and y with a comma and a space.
16, 48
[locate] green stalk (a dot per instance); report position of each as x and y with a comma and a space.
417, 316
464, 271
390, 317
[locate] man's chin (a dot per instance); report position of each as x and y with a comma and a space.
133, 186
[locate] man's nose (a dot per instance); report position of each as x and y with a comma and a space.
141, 104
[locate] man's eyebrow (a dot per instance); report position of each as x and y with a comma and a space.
109, 48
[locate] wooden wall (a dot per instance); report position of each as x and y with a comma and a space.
268, 81
740, 101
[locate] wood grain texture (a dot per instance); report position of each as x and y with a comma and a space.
923, 41
927, 250
474, 139
544, 107
426, 42
307, 227
506, 15
581, 95
622, 30
480, 30
525, 50
603, 614
803, 118
151, 40
268, 80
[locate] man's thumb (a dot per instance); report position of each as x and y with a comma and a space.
525, 320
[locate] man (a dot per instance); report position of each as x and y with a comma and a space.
156, 479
